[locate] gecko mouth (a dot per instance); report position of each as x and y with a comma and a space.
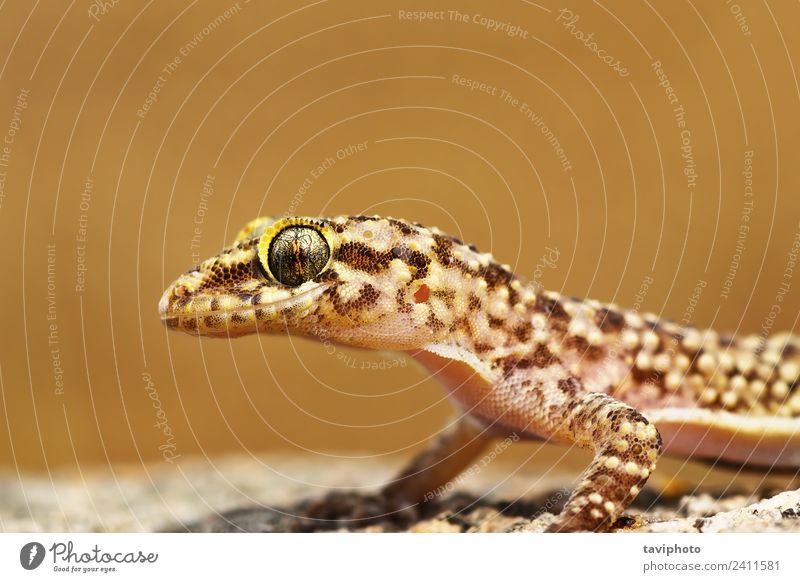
230, 314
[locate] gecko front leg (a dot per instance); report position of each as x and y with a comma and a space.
534, 395
447, 455
626, 446
444, 457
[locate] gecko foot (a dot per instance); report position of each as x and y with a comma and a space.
350, 509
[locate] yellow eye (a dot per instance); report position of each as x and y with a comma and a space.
297, 254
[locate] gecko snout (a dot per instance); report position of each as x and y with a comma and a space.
216, 299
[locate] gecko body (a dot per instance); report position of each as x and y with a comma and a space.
515, 359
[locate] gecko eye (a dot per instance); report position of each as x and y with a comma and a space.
297, 254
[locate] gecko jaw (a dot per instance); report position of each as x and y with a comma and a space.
232, 315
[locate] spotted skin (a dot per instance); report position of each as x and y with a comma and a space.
514, 359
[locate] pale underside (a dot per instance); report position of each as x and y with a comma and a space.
687, 432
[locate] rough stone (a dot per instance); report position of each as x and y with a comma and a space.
283, 493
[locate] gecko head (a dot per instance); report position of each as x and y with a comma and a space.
362, 281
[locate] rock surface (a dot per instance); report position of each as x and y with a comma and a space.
279, 493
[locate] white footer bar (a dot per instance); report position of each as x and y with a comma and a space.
388, 557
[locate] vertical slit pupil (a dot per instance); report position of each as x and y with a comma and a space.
297, 254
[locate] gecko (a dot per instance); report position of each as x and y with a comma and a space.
513, 358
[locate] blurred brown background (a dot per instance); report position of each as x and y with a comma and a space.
144, 135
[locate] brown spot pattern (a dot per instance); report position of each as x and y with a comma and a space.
542, 357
